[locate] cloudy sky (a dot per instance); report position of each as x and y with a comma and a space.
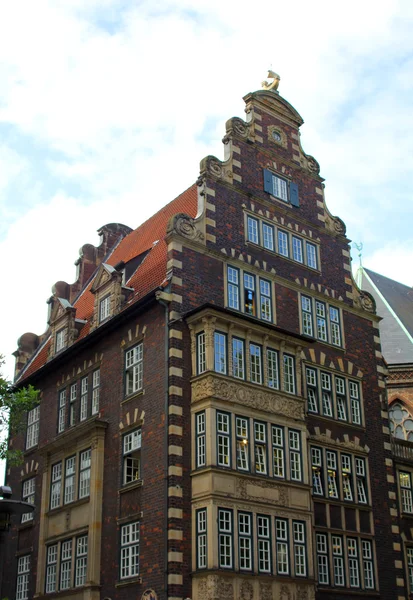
106, 111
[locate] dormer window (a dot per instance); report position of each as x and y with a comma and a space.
104, 308
61, 339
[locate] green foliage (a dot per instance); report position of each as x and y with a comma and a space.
14, 405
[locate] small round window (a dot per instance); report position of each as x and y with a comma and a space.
276, 135
401, 422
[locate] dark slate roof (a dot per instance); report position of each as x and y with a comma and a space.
394, 303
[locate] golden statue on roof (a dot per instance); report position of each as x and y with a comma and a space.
271, 85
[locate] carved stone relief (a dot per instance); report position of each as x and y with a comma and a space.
272, 402
365, 301
266, 591
247, 591
242, 486
184, 225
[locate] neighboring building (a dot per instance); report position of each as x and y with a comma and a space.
394, 303
212, 422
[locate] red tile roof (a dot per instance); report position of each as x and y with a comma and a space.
150, 274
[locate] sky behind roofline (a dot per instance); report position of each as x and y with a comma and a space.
107, 107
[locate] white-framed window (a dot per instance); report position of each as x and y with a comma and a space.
361, 480
65, 565
283, 243
317, 470
405, 480
278, 454
223, 439
200, 432
70, 472
255, 363
61, 339
332, 473
132, 456
201, 531
61, 571
62, 411
281, 188
201, 352
294, 443
289, 373
81, 560
340, 397
23, 574
299, 544
272, 369
84, 397
264, 544
281, 537
129, 552
353, 563
327, 320
72, 406
249, 294
238, 358
28, 495
134, 369
33, 426
56, 486
95, 391
322, 559
338, 560
84, 473
233, 288
311, 255
51, 569
104, 308
298, 255
253, 230
260, 447
220, 352
245, 547
242, 435
225, 539
268, 236
345, 475
368, 565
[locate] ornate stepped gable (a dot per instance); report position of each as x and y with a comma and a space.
119, 244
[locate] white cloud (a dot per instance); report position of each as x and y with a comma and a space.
116, 96
394, 260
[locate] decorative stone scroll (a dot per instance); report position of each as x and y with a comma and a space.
210, 165
366, 302
312, 165
185, 226
237, 127
243, 484
269, 401
336, 225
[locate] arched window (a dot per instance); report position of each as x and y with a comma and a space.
401, 422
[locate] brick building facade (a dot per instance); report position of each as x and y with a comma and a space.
213, 421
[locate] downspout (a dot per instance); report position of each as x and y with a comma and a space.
166, 409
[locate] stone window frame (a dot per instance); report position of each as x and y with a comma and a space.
61, 460
322, 473
342, 556
78, 562
275, 249
317, 387
313, 301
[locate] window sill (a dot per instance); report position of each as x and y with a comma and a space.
344, 590
125, 582
69, 505
26, 525
31, 450
287, 258
345, 503
130, 486
133, 396
335, 421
